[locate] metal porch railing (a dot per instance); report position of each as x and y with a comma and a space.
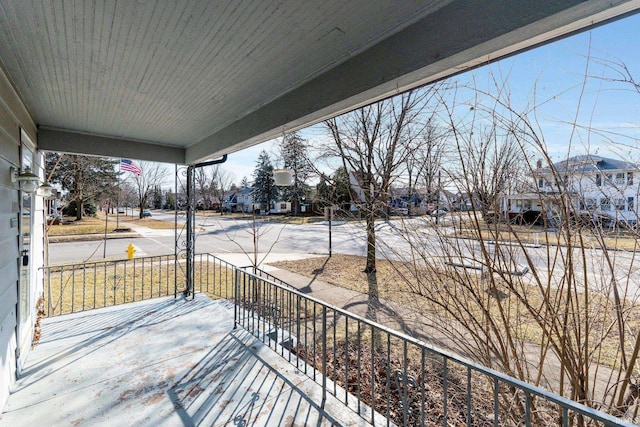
375, 369
372, 369
71, 288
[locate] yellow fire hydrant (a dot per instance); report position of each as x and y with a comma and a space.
130, 250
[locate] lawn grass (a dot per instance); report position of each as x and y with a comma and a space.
87, 225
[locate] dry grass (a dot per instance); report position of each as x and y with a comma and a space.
147, 222
403, 284
87, 225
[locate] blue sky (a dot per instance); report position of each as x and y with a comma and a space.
556, 74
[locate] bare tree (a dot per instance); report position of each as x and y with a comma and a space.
153, 174
488, 164
562, 316
224, 180
424, 161
373, 144
205, 186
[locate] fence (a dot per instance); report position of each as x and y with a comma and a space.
371, 368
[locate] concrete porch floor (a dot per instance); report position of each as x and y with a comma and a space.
163, 362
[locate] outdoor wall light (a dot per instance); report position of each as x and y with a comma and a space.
45, 190
28, 181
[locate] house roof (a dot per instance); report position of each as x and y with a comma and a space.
590, 163
183, 81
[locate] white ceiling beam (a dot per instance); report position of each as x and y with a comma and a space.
65, 141
462, 35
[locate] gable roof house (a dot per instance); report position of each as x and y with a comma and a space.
599, 188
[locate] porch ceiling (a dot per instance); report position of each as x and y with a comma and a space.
201, 79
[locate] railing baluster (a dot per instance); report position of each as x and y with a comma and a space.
405, 395
359, 346
346, 360
469, 417
315, 321
47, 272
324, 355
373, 370
388, 386
496, 402
84, 281
104, 285
95, 284
124, 281
115, 282
445, 394
73, 287
423, 381
297, 343
334, 371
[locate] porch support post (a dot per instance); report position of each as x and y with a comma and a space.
191, 237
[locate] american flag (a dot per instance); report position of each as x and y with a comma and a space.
129, 166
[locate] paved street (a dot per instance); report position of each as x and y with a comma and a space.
397, 239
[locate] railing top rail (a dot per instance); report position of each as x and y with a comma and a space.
562, 401
103, 261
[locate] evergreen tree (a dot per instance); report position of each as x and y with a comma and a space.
85, 178
264, 186
323, 192
293, 151
341, 189
244, 183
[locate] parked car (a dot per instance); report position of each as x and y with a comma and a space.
439, 212
146, 213
120, 210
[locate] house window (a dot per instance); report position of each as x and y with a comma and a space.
541, 182
283, 206
619, 203
620, 178
630, 178
609, 179
598, 179
630, 205
605, 205
590, 204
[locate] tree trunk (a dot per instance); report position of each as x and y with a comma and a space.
79, 208
370, 267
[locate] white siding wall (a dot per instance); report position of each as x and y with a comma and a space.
9, 258
13, 117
